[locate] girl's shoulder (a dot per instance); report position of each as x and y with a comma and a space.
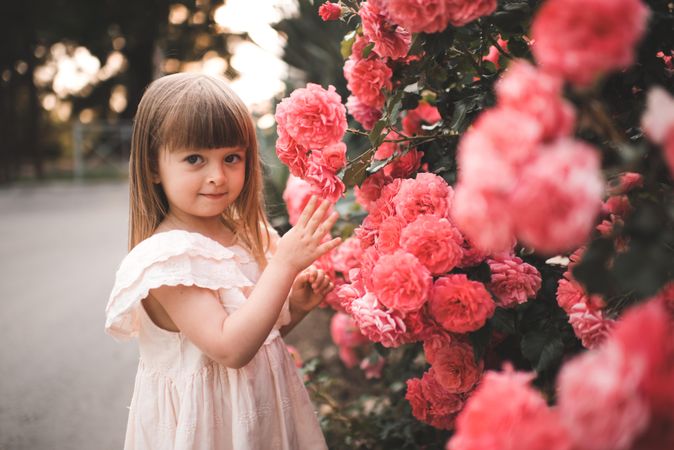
169, 258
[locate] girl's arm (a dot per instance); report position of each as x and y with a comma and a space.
234, 339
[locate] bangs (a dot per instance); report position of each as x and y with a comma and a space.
205, 114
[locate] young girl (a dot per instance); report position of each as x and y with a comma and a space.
208, 287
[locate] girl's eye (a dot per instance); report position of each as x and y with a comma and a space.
193, 159
234, 158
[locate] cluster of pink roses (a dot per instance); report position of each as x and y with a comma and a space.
310, 125
658, 123
618, 396
522, 173
353, 346
397, 288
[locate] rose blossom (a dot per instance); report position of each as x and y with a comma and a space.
390, 40
581, 40
347, 256
292, 154
431, 403
388, 240
370, 189
625, 182
473, 208
385, 327
401, 282
296, 195
459, 304
344, 331
424, 113
455, 367
434, 15
493, 135
330, 11
658, 122
558, 198
505, 413
599, 400
366, 78
334, 156
427, 193
348, 356
434, 241
461, 12
435, 343
531, 91
589, 325
401, 166
512, 280
366, 115
324, 179
312, 116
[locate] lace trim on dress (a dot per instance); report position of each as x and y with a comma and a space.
171, 258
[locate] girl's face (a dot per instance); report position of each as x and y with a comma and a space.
201, 184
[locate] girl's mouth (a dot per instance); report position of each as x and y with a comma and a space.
214, 196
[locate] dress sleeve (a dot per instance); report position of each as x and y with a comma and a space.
168, 259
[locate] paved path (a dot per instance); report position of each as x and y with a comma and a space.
64, 383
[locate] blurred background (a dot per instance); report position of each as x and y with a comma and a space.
71, 75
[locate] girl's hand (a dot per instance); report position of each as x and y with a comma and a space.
303, 244
309, 289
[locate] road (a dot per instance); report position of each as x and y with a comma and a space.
64, 383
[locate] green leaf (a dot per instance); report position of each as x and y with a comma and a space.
551, 354
347, 44
368, 49
356, 172
504, 320
375, 135
532, 345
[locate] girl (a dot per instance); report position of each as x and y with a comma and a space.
208, 287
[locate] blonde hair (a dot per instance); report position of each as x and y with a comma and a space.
194, 111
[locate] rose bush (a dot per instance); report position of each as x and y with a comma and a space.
509, 205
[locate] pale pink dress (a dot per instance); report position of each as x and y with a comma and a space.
184, 400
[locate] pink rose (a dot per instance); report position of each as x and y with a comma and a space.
434, 344
390, 40
292, 154
461, 12
372, 366
418, 16
344, 331
658, 122
505, 413
296, 196
388, 239
324, 180
455, 367
491, 155
366, 78
581, 40
473, 208
369, 191
526, 89
385, 327
401, 282
334, 156
427, 193
459, 304
347, 256
434, 241
512, 280
431, 403
599, 401
589, 325
424, 113
366, 115
566, 186
625, 182
330, 11
312, 116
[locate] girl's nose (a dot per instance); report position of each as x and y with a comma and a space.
217, 175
